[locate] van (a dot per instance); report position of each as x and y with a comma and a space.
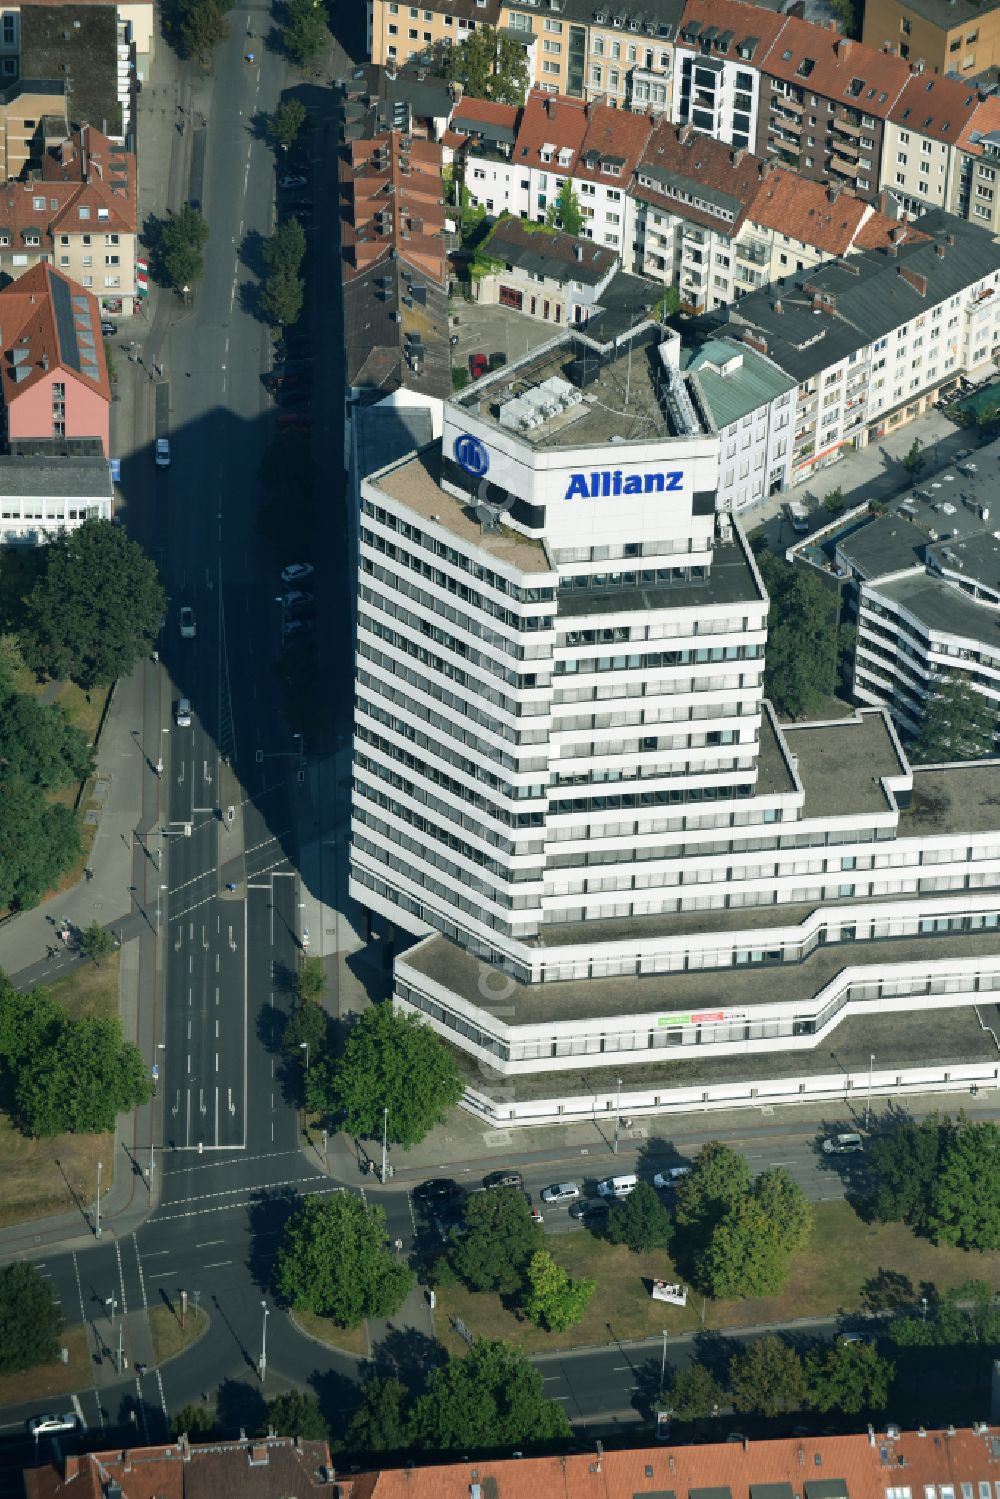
842, 1144
618, 1186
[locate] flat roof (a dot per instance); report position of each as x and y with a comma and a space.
910, 1039
841, 764
942, 607
415, 483
738, 988
959, 798
730, 580
886, 544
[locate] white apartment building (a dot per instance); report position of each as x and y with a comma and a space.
872, 341
568, 786
717, 83
752, 405
40, 498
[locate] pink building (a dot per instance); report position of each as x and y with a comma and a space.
52, 368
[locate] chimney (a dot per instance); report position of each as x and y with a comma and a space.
842, 47
940, 251
45, 361
550, 107
737, 156
754, 341
184, 1447
912, 278
258, 1455
578, 251
833, 192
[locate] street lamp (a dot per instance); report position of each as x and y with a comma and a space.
618, 1111
385, 1134
663, 1361
304, 1046
159, 891
868, 1100
111, 1301
97, 1219
263, 1344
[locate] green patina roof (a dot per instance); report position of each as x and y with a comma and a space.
732, 396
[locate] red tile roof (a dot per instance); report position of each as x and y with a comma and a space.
855, 1462
488, 111
702, 161
834, 222
985, 120
742, 19
935, 106
819, 60
268, 1468
104, 175
36, 341
613, 135
392, 200
549, 119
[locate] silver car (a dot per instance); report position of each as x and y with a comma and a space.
561, 1192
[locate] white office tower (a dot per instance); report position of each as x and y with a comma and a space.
633, 888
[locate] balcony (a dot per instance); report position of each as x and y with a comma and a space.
847, 148
844, 126
753, 253
844, 168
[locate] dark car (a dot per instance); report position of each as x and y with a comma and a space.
504, 1179
588, 1207
439, 1189
478, 365
108, 328
497, 361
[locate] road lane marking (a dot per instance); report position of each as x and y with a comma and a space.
216, 1264
162, 1274
208, 1244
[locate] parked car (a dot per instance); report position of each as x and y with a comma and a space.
588, 1207
848, 1144
297, 626
296, 601
478, 365
189, 628
42, 1425
670, 1178
618, 1186
108, 328
497, 361
504, 1179
288, 182
439, 1188
163, 452
296, 571
182, 713
560, 1192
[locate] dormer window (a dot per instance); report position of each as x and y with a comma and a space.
38, 203
85, 213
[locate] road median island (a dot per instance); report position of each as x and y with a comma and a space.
171, 1339
324, 1330
826, 1279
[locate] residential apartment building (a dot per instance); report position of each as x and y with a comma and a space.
603, 172
718, 56
53, 377
942, 36
942, 142
401, 31
555, 277
632, 887
825, 100
752, 405
42, 497
871, 341
528, 179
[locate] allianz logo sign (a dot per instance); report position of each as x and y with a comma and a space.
603, 483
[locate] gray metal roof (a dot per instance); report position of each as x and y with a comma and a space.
654, 19
89, 478
699, 191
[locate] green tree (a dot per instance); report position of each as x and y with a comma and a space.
286, 248
310, 979
491, 1397
203, 26
767, 1378
333, 1261
743, 1257
308, 1022
287, 122
396, 1062
41, 743
669, 304
552, 1299
694, 1394
500, 1237
913, 460
785, 1204
192, 1421
95, 609
958, 724
38, 841
305, 34
846, 14
965, 1197
183, 237
718, 1178
96, 942
849, 1377
28, 1023
381, 1422
81, 1080
641, 1221
488, 65
834, 501
565, 213
800, 670
31, 1319
903, 1166
295, 1414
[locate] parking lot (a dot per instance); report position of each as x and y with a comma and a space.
494, 330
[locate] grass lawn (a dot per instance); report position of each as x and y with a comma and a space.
46, 1380
169, 1338
350, 1339
60, 1175
826, 1278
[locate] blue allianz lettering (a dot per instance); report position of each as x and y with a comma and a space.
604, 483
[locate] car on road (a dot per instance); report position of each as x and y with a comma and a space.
478, 365
295, 598
669, 1178
182, 713
289, 181
857, 1337
436, 1190
297, 626
848, 1144
617, 1186
163, 452
588, 1207
189, 628
40, 1426
504, 1179
560, 1192
108, 328
497, 360
296, 571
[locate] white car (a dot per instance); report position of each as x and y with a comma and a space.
296, 571
561, 1192
41, 1426
182, 713
668, 1179
163, 452
188, 627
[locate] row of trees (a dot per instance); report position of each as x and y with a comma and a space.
284, 290
942, 1177
769, 1376
490, 64
63, 1074
179, 246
